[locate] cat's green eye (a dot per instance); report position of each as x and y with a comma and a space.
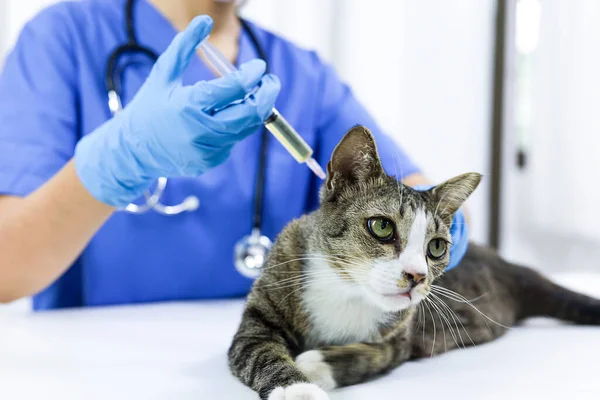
381, 228
436, 249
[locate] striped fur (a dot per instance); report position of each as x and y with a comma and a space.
315, 317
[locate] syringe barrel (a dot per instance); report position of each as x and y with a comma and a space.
288, 137
275, 123
216, 59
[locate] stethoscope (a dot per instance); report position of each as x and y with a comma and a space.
251, 250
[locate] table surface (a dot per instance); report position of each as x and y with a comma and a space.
178, 351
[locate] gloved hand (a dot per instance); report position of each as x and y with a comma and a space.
459, 231
173, 130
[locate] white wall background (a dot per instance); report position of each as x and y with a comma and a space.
12, 16
552, 216
3, 22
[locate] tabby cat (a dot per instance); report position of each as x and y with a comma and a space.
346, 287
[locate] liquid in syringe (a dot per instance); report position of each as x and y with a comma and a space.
275, 123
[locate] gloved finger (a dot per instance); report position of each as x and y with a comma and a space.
254, 109
266, 96
171, 64
218, 93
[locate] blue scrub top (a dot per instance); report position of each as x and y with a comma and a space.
52, 93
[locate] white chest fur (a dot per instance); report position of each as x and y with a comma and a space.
339, 312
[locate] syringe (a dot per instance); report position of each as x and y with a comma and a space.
275, 123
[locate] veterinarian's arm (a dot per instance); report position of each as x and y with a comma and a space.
416, 179
42, 234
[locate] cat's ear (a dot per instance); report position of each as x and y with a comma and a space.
451, 194
355, 159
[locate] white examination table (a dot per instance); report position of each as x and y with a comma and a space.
177, 351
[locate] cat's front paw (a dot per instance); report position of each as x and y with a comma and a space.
299, 391
312, 364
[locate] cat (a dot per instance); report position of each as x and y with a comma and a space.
346, 287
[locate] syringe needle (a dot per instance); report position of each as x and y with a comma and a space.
316, 168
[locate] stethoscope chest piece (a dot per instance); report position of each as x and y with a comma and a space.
251, 254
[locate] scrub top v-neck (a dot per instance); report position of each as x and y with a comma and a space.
52, 93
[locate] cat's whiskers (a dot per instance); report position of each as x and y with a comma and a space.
419, 321
287, 262
303, 285
422, 304
357, 263
297, 281
434, 327
459, 295
328, 255
479, 297
301, 280
333, 274
457, 318
452, 295
344, 258
449, 313
339, 270
289, 294
437, 310
345, 267
311, 257
324, 255
304, 275
442, 309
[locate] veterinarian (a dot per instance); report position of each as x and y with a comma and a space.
72, 162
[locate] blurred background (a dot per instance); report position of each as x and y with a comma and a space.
507, 88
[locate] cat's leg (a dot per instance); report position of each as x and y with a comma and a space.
338, 366
261, 357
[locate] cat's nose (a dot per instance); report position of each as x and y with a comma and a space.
414, 278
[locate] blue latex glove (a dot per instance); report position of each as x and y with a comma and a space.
173, 130
459, 231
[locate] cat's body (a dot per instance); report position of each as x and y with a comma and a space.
333, 308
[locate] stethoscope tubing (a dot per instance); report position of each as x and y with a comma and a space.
246, 250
